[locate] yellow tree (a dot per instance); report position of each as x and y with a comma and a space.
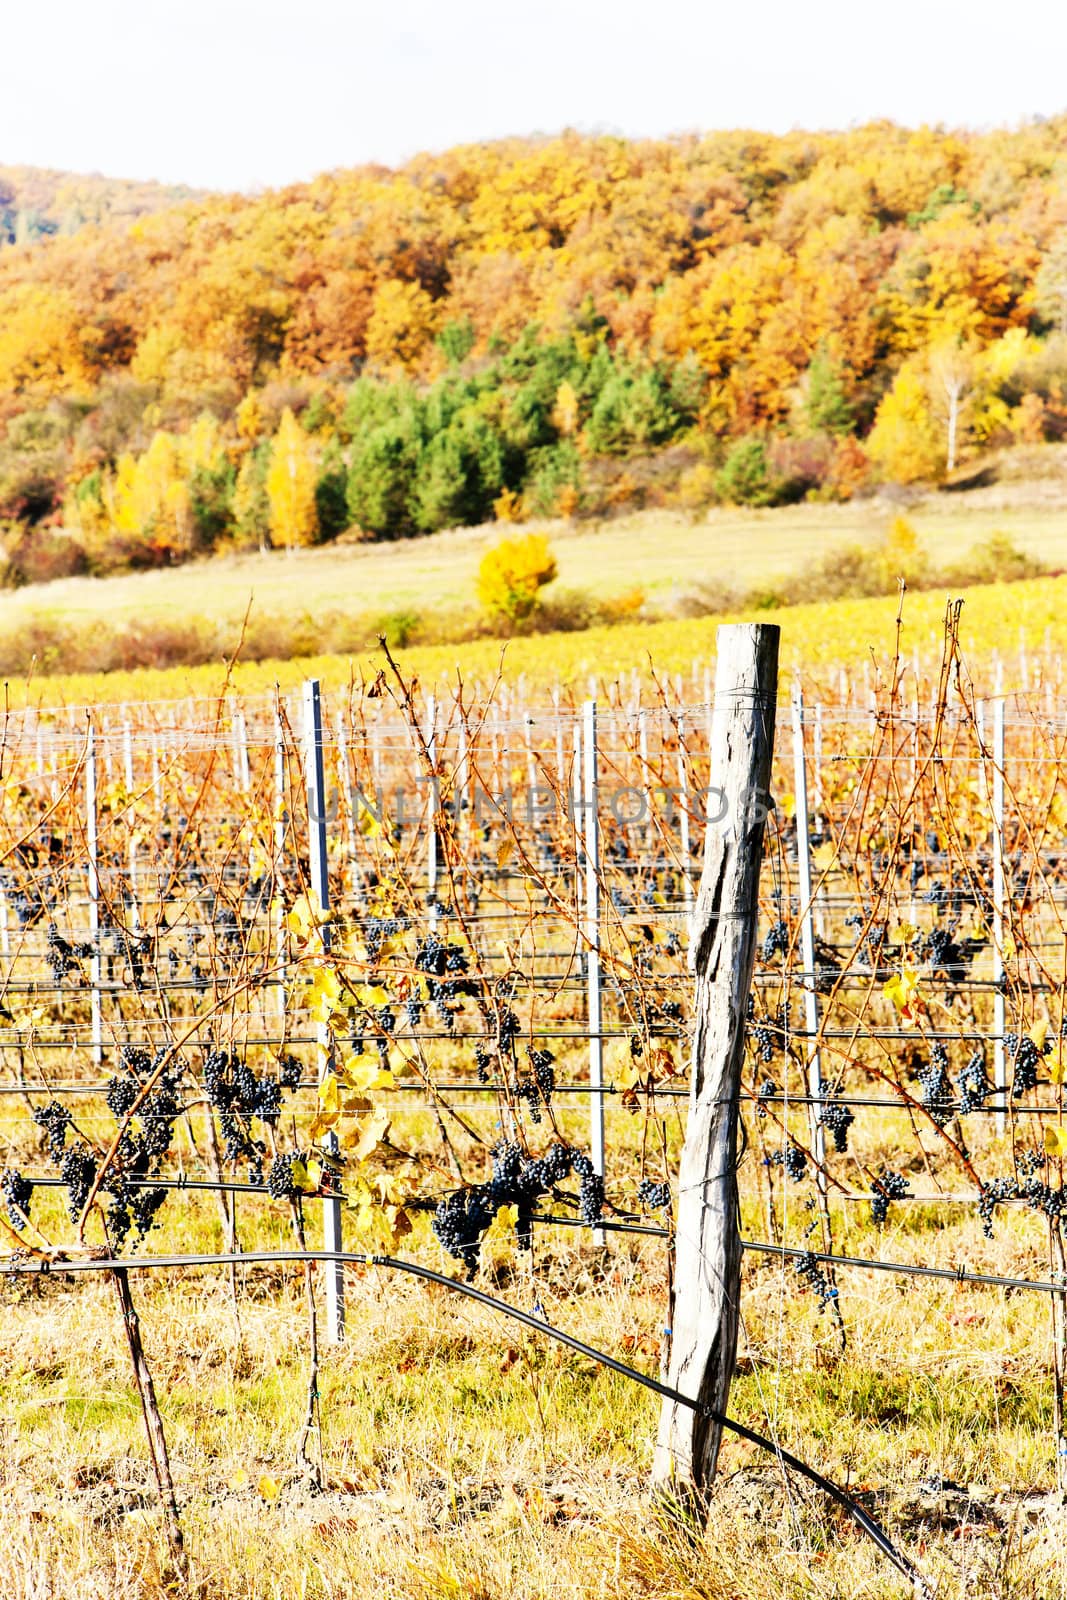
150, 497
905, 441
402, 322
291, 485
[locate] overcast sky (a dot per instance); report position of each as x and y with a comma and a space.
247, 93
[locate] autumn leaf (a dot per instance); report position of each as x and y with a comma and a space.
1056, 1141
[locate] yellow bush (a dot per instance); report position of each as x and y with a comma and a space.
511, 575
509, 506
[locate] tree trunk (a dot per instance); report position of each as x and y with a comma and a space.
707, 1274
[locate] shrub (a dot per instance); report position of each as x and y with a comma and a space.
43, 554
512, 574
746, 477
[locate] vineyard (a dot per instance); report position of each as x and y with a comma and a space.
345, 1065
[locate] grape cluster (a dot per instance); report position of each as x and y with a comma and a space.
889, 1186
459, 1222
483, 1060
769, 1033
837, 1119
1026, 1058
809, 1269
590, 1189
973, 1083
134, 1210
280, 1182
992, 1194
54, 1119
775, 941
77, 1169
793, 1160
17, 1192
375, 932
517, 1180
62, 956
445, 967
935, 1086
656, 1196
290, 1072
544, 1072
136, 952
766, 1091
238, 1095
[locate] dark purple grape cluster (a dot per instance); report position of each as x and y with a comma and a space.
290, 1072
590, 1190
17, 1192
793, 1161
54, 1120
775, 941
461, 1219
655, 1196
766, 1091
991, 1195
134, 1211
935, 1086
483, 1061
517, 1180
974, 1085
1025, 1057
62, 956
375, 932
837, 1119
809, 1269
888, 1186
77, 1170
544, 1072
280, 1182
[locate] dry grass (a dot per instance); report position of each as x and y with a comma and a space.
465, 1458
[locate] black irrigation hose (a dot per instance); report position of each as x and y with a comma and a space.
859, 1516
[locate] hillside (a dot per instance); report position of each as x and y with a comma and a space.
37, 203
571, 325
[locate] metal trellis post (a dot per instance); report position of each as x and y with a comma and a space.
591, 853
318, 869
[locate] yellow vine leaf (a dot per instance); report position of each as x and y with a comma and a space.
902, 991
372, 1133
1056, 1141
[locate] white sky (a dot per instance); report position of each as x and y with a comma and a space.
243, 93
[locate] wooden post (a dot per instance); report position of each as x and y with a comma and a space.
707, 1272
319, 877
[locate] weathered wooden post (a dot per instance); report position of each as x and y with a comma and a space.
707, 1272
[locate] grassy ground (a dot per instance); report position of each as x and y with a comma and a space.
816, 640
661, 553
465, 1458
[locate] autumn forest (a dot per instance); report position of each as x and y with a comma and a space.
532, 327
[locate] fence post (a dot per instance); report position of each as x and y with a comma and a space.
707, 1273
96, 1022
807, 937
591, 852
683, 817
281, 823
318, 872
